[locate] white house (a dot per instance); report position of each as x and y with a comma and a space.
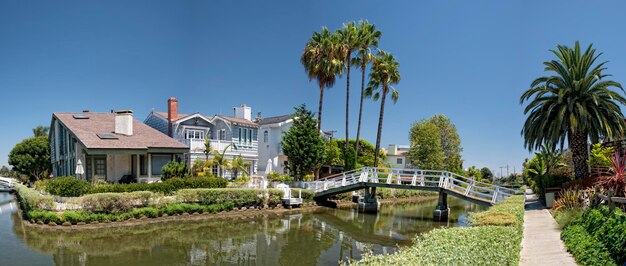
271, 132
397, 156
237, 134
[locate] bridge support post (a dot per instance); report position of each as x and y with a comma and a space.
369, 203
442, 210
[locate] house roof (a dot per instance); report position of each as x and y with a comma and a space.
164, 115
274, 119
238, 120
87, 130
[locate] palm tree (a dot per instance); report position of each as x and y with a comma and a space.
384, 73
574, 103
207, 148
368, 38
220, 160
40, 131
322, 62
349, 36
238, 164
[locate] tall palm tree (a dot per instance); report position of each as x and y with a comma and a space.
383, 75
220, 160
322, 61
349, 42
575, 102
40, 131
368, 38
239, 165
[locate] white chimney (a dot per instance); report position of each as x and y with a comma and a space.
243, 111
393, 149
124, 122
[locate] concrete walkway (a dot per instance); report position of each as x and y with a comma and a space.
542, 243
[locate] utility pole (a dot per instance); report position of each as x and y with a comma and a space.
507, 170
501, 171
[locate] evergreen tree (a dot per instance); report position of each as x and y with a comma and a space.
436, 145
303, 144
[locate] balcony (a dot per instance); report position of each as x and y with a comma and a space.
197, 146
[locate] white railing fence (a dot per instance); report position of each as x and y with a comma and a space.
417, 178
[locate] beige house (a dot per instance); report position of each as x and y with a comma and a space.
397, 156
109, 146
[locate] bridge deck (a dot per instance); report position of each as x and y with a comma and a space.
413, 179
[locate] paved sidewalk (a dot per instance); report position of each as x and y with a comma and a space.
542, 243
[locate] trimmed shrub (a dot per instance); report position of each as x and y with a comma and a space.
174, 169
107, 202
564, 217
74, 217
44, 216
167, 187
275, 197
587, 250
239, 197
67, 186
30, 199
307, 194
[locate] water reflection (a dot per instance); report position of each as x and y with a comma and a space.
320, 238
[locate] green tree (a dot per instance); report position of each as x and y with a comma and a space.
436, 145
5, 172
174, 169
239, 165
383, 75
572, 104
303, 144
368, 38
367, 152
220, 160
349, 36
474, 173
333, 153
486, 173
426, 151
41, 131
32, 157
322, 61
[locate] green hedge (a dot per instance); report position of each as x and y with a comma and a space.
72, 187
75, 217
307, 194
30, 199
482, 244
239, 197
596, 233
587, 250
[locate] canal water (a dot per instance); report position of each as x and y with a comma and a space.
313, 238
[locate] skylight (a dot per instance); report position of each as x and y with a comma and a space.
107, 136
80, 116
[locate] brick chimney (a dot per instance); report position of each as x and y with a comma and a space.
172, 114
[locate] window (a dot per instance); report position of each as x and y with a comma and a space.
143, 165
265, 136
221, 134
194, 134
158, 161
95, 166
399, 161
239, 135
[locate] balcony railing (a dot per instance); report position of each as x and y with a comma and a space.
197, 145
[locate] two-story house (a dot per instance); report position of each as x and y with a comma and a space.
236, 134
397, 156
109, 146
271, 132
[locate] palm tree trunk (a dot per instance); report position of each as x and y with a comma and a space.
319, 110
578, 145
347, 111
380, 125
358, 127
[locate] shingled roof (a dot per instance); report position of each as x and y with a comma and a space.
274, 119
239, 120
87, 130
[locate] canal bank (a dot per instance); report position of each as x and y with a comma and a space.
314, 237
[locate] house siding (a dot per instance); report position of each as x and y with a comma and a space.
157, 123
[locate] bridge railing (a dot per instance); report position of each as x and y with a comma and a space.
416, 177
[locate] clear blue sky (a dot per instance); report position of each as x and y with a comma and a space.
467, 60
